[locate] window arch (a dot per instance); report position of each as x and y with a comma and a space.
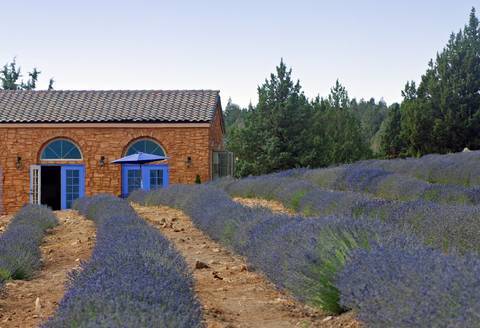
147, 146
61, 149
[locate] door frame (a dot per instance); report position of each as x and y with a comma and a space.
145, 173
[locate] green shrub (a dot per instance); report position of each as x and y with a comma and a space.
296, 198
198, 180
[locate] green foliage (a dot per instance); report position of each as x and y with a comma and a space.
198, 180
285, 130
234, 116
371, 116
335, 247
10, 76
296, 198
274, 136
443, 114
335, 132
391, 143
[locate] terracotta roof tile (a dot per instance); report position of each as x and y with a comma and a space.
128, 106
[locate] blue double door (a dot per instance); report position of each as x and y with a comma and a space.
146, 177
56, 186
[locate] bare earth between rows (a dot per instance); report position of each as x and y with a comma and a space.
272, 205
231, 295
62, 250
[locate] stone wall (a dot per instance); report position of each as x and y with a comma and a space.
179, 143
1, 192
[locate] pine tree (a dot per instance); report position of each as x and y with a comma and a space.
274, 136
391, 143
443, 114
335, 134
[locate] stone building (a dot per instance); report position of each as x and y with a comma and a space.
56, 146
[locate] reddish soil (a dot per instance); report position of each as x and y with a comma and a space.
62, 250
273, 205
231, 295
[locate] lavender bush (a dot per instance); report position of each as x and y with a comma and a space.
395, 287
446, 227
135, 278
298, 254
459, 169
20, 252
388, 185
390, 278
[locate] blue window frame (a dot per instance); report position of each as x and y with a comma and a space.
134, 179
153, 176
146, 146
72, 184
156, 178
61, 149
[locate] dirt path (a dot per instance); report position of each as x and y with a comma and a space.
4, 220
273, 205
230, 294
62, 250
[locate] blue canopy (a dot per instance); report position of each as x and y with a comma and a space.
139, 158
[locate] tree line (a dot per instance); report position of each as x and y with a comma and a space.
285, 129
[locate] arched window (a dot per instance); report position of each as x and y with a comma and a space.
61, 149
147, 146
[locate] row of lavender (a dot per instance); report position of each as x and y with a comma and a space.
384, 184
445, 227
20, 252
461, 169
135, 278
339, 263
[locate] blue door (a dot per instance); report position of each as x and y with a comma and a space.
155, 176
72, 184
146, 177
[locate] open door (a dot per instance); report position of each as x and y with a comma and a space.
73, 184
35, 184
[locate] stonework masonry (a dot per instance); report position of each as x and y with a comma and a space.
179, 142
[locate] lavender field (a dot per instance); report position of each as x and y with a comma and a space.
403, 258
134, 278
20, 243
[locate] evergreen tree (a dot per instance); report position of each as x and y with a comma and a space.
371, 115
234, 115
443, 114
335, 134
391, 142
10, 78
274, 136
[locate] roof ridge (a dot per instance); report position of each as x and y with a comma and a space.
113, 90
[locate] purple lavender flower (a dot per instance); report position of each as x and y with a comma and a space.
134, 278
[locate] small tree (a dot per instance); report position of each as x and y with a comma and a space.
10, 78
